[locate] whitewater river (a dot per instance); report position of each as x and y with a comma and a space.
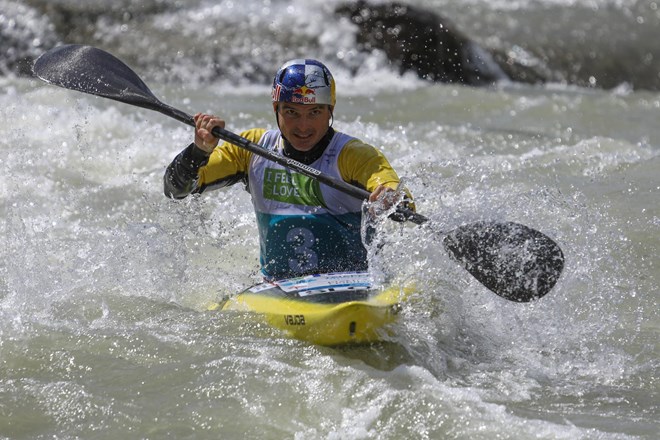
104, 282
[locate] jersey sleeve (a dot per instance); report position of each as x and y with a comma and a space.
363, 165
227, 164
193, 172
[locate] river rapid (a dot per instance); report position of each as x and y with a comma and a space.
104, 282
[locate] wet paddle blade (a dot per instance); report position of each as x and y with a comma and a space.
90, 70
516, 262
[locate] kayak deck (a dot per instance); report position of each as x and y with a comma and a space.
328, 309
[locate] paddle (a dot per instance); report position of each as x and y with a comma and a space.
514, 261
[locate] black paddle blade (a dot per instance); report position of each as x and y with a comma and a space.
91, 70
516, 262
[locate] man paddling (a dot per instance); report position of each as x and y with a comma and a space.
304, 227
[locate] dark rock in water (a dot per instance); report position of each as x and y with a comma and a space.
586, 46
420, 40
521, 65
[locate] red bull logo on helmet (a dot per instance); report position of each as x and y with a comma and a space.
304, 94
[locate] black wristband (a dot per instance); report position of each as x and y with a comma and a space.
193, 158
198, 152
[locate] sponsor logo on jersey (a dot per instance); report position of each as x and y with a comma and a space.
290, 187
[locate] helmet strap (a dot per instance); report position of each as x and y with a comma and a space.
277, 118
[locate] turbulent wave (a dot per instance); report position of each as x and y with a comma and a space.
104, 281
595, 43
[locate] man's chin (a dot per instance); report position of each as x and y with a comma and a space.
303, 145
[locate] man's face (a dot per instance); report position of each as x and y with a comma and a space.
303, 124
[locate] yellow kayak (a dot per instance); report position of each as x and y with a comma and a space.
326, 309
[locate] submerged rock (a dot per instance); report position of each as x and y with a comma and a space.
415, 39
419, 40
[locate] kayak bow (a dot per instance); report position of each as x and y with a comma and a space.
328, 309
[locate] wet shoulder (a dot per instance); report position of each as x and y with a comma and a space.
357, 152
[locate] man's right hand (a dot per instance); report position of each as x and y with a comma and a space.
204, 123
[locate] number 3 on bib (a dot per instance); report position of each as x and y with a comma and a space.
306, 259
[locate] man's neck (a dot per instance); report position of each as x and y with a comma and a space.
310, 156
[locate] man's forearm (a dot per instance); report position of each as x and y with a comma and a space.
181, 175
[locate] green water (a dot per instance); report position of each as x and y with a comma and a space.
104, 282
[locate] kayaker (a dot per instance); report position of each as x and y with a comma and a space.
304, 227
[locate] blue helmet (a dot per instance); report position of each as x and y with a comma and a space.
304, 81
